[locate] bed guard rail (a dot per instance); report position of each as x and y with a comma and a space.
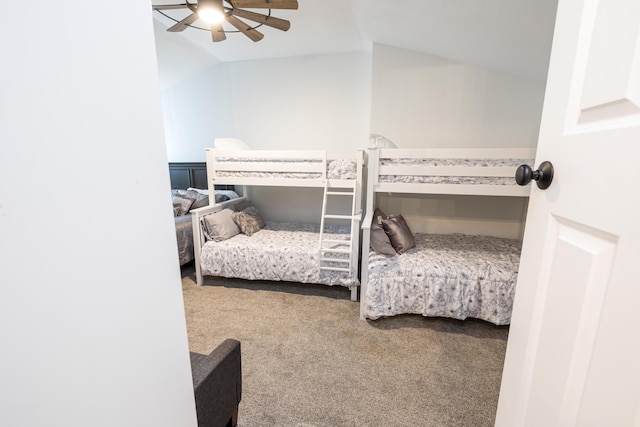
198, 233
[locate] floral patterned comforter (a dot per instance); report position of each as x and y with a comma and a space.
452, 275
279, 251
477, 180
336, 169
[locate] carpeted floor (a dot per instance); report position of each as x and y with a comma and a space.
309, 361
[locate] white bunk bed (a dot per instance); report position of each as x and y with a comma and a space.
452, 275
326, 253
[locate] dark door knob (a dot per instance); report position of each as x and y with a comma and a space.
543, 176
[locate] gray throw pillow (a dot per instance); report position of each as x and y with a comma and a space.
219, 226
221, 198
399, 233
249, 220
189, 194
378, 237
201, 201
181, 204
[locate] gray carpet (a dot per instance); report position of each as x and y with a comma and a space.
308, 360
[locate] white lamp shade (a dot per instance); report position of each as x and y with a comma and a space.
211, 11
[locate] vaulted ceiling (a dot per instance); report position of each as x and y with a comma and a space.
512, 36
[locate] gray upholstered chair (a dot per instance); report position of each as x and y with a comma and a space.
217, 383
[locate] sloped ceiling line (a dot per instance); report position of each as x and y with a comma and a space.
511, 36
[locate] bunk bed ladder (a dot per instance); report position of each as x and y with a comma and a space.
330, 259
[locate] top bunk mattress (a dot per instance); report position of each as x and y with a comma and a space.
284, 168
449, 171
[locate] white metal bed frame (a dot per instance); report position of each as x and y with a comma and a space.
374, 185
281, 161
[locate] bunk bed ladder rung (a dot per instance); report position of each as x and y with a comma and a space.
345, 270
336, 260
336, 251
339, 216
325, 262
339, 193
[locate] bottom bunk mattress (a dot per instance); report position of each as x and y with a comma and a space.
446, 275
278, 252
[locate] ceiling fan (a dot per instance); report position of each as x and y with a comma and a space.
215, 12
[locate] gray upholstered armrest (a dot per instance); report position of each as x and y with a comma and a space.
217, 383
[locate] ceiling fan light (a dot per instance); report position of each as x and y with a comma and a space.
211, 11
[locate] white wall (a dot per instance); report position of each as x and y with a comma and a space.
444, 214
195, 110
178, 59
334, 101
424, 101
91, 317
307, 102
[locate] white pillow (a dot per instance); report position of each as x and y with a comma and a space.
379, 141
230, 144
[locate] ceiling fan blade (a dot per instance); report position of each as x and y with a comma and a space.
280, 24
217, 33
245, 29
168, 6
265, 4
180, 26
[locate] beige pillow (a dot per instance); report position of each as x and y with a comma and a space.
399, 233
249, 220
220, 226
378, 237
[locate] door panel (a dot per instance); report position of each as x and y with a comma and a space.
573, 352
574, 294
609, 93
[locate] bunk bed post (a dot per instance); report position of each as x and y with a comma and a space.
373, 158
357, 219
373, 162
211, 173
364, 274
355, 241
325, 176
356, 213
198, 240
360, 161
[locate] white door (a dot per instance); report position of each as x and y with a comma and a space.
573, 356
